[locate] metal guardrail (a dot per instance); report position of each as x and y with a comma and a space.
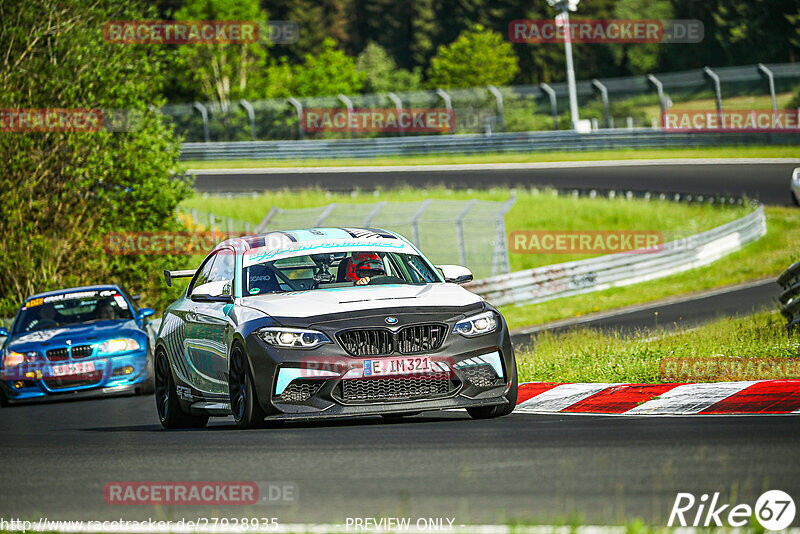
790, 298
596, 274
476, 144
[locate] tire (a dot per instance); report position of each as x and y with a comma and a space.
3, 400
149, 385
795, 199
247, 412
169, 409
490, 412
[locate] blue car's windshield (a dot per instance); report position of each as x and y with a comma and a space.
67, 309
323, 271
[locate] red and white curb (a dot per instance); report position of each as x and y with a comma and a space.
713, 398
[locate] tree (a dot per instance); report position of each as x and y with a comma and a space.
62, 192
479, 57
225, 72
383, 74
640, 58
329, 73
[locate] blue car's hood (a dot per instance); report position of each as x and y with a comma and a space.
79, 334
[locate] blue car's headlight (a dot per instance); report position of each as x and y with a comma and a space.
118, 345
292, 337
477, 325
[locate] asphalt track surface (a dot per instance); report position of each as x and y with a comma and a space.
57, 458
767, 182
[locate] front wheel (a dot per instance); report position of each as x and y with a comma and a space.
247, 412
169, 409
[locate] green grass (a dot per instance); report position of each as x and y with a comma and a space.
443, 159
534, 210
767, 257
585, 355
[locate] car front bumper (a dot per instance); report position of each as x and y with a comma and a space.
35, 382
329, 382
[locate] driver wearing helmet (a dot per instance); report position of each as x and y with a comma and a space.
363, 266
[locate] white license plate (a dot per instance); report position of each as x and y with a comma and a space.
78, 368
397, 366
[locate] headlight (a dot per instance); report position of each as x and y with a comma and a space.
13, 359
293, 337
483, 323
118, 345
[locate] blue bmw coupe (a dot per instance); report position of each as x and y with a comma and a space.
73, 342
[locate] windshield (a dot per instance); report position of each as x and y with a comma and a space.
342, 269
71, 308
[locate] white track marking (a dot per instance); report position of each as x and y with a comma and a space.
498, 166
560, 397
689, 399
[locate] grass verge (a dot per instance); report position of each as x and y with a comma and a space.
442, 159
586, 355
769, 256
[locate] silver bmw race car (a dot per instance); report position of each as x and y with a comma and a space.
328, 322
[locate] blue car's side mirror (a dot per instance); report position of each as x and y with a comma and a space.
146, 312
3, 331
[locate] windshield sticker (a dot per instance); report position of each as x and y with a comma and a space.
262, 255
121, 302
255, 290
78, 295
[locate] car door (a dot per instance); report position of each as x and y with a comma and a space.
212, 327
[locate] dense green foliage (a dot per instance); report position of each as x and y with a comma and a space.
415, 34
61, 192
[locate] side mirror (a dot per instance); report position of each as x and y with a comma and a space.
455, 274
146, 312
3, 331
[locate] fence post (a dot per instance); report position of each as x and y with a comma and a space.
553, 104
662, 101
204, 113
462, 245
415, 220
325, 214
500, 111
251, 115
500, 245
771, 81
717, 90
211, 224
298, 106
398, 104
262, 226
349, 104
230, 227
447, 103
604, 95
374, 213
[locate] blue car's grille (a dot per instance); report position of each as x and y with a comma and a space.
58, 355
62, 353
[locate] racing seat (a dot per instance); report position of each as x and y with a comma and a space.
263, 278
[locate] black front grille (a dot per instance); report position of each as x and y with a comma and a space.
482, 376
82, 351
376, 389
300, 391
421, 338
375, 342
382, 341
58, 355
62, 354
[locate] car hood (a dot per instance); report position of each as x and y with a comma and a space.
81, 334
342, 300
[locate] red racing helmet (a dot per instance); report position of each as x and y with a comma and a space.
364, 264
